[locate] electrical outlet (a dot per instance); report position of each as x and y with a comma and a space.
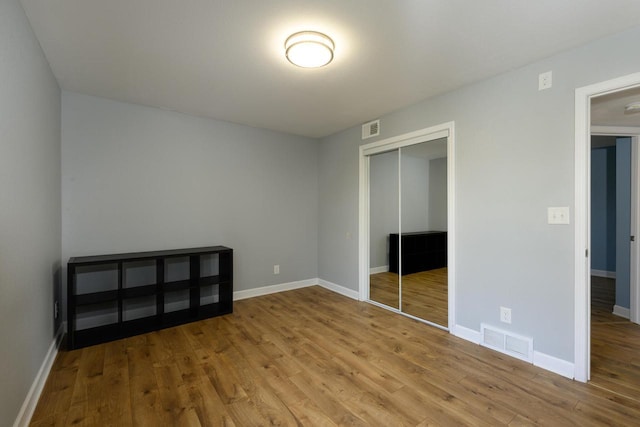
505, 315
545, 80
276, 269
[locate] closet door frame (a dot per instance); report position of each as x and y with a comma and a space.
445, 130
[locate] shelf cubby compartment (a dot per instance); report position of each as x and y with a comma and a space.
177, 307
96, 320
139, 273
209, 294
95, 279
139, 315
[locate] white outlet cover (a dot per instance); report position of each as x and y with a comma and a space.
505, 314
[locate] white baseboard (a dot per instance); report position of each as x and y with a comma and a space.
541, 360
272, 289
30, 402
553, 364
339, 289
621, 311
604, 273
381, 269
466, 334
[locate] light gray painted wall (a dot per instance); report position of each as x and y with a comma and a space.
137, 178
438, 194
29, 207
515, 157
383, 205
415, 193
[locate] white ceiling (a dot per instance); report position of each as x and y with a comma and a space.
224, 58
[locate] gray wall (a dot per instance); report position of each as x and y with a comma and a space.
515, 157
29, 207
383, 205
438, 194
137, 178
415, 193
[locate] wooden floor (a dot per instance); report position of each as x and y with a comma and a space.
312, 357
424, 294
615, 344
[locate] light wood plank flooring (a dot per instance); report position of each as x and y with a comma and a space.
615, 344
312, 357
424, 294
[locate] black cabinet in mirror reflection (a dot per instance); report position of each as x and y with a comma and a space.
421, 251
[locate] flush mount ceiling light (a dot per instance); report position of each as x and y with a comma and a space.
634, 107
309, 49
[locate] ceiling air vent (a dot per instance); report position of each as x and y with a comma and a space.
371, 129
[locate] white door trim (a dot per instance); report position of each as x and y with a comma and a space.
423, 135
582, 240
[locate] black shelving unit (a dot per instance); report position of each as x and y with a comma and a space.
119, 295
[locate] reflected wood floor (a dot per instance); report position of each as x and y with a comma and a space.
424, 294
615, 344
313, 357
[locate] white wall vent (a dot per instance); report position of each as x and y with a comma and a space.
507, 342
371, 129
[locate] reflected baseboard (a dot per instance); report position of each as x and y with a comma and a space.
381, 269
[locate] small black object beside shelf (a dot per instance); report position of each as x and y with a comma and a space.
116, 296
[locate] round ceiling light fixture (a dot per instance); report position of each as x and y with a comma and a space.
309, 49
632, 108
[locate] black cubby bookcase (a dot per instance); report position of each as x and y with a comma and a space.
119, 295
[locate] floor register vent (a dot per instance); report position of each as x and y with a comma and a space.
507, 342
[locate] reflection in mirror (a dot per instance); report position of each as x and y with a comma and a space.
384, 286
424, 231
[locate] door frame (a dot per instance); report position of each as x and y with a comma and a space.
582, 237
444, 130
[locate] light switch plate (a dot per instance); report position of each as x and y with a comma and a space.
558, 215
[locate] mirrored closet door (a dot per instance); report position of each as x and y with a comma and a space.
408, 230
423, 190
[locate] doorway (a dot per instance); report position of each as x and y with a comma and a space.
583, 238
611, 201
407, 229
613, 337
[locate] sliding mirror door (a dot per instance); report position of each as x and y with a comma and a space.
384, 280
423, 239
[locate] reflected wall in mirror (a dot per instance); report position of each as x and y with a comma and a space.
423, 240
384, 286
